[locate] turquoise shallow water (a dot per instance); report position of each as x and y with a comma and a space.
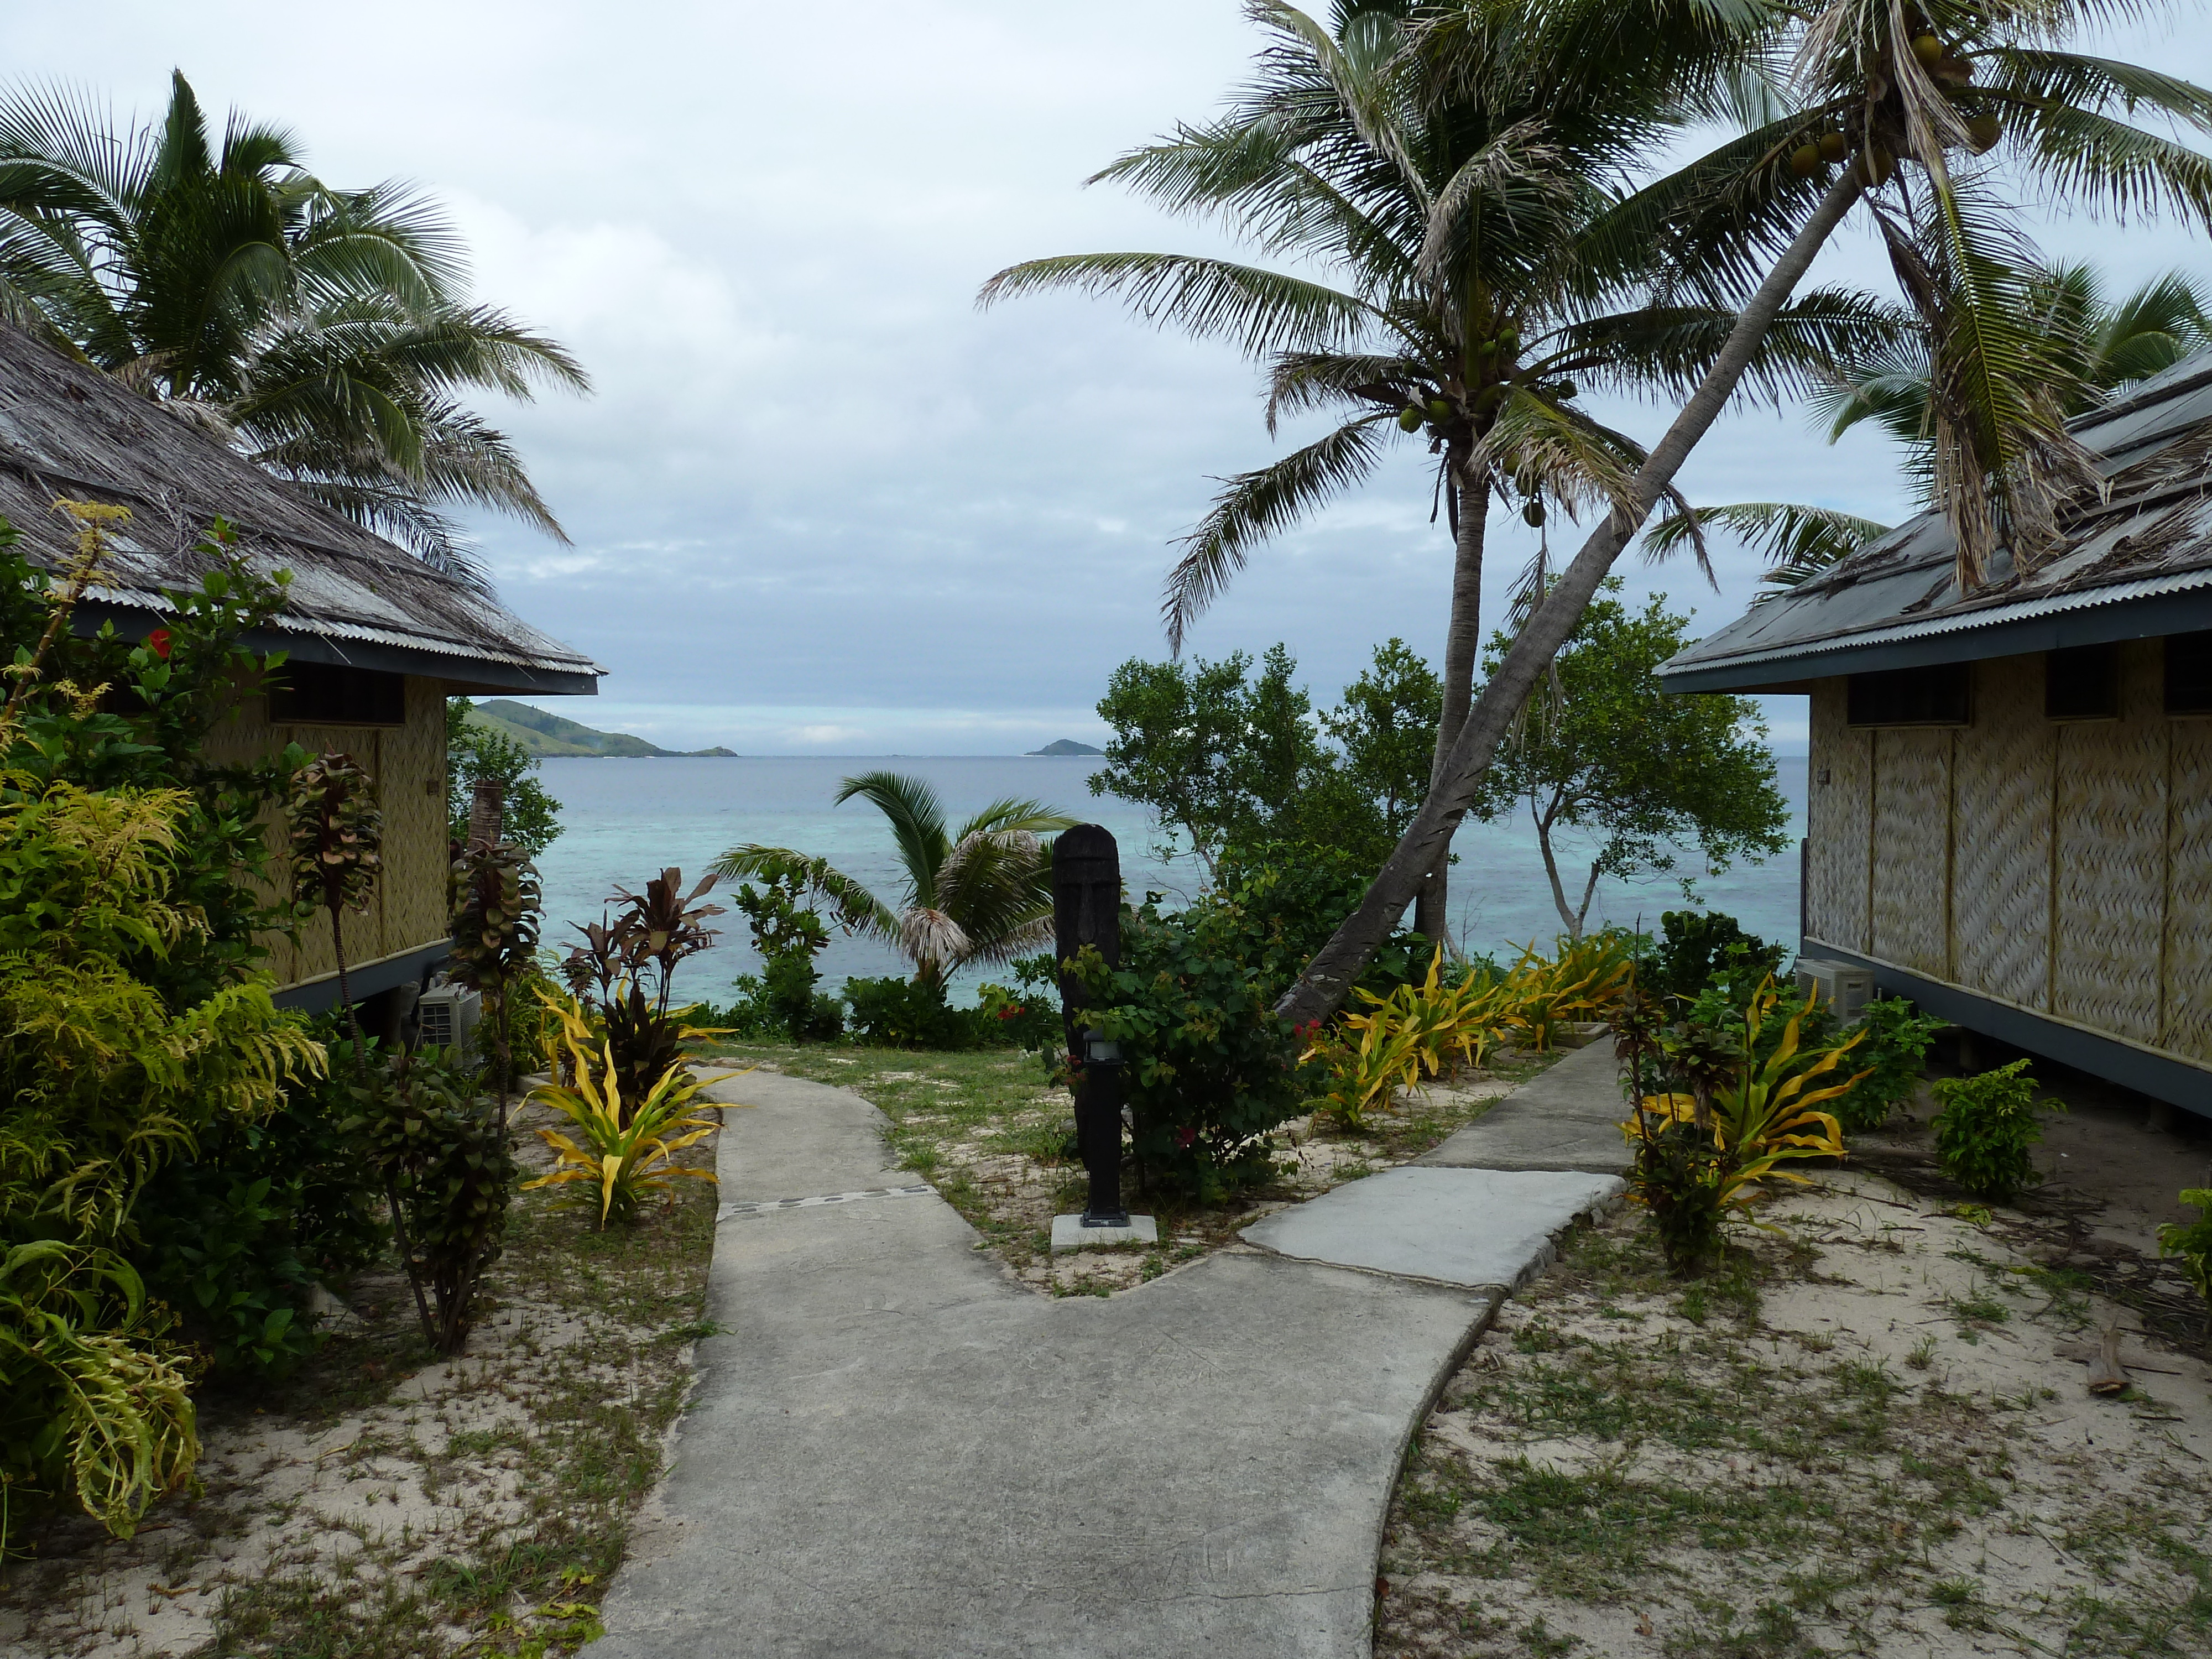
624, 819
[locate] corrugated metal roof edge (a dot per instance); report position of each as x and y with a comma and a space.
1688, 664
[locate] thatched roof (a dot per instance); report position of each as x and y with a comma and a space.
66, 430
2135, 566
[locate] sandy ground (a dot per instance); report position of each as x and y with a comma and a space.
1874, 1435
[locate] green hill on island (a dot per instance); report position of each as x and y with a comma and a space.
1067, 746
553, 735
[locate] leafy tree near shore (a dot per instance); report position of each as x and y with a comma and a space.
476, 754
322, 330
982, 893
1639, 771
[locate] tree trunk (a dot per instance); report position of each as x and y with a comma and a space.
1462, 646
1573, 922
1321, 990
345, 991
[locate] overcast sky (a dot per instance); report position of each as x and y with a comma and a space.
819, 503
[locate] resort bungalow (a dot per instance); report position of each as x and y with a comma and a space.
2010, 811
377, 640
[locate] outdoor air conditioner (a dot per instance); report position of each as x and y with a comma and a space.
446, 1015
1849, 989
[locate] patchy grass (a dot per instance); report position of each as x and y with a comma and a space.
1869, 1434
384, 1503
985, 1129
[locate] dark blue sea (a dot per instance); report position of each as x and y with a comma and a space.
624, 819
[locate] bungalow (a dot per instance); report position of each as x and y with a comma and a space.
377, 640
2010, 789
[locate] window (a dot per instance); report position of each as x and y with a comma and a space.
2188, 674
322, 694
2082, 683
1935, 696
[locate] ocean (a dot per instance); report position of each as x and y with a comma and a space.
624, 820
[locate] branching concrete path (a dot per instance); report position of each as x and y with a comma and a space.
895, 1450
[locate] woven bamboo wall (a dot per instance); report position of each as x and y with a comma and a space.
2186, 1016
2001, 844
1963, 853
409, 766
2109, 914
1913, 837
1838, 823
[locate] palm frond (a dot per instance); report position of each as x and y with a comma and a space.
1261, 311
917, 820
1797, 542
1257, 505
856, 910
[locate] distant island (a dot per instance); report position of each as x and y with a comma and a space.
552, 736
1067, 746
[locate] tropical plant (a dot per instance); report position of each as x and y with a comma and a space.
442, 1155
983, 894
1755, 1114
787, 935
1896, 1038
322, 330
652, 933
1415, 1032
92, 1402
629, 1148
2192, 1242
336, 834
1986, 1129
1993, 83
495, 930
476, 754
1635, 771
2094, 347
1466, 212
1699, 948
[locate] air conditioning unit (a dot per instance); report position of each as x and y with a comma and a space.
1846, 988
446, 1015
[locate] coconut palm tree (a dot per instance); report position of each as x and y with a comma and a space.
1925, 112
981, 894
1476, 269
322, 332
2095, 348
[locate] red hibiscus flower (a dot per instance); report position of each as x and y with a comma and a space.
158, 644
1185, 1137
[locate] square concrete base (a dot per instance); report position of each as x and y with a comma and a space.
1069, 1233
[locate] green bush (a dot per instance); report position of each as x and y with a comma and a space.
1023, 1017
1895, 1044
2192, 1242
1699, 949
1211, 1070
783, 999
441, 1155
905, 1013
1983, 1132
1297, 895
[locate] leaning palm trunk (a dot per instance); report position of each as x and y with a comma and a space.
1462, 642
1327, 978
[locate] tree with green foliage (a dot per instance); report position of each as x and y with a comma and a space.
476, 754
322, 332
1636, 773
1224, 758
1940, 115
1473, 270
982, 893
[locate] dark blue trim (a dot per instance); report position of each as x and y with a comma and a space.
317, 995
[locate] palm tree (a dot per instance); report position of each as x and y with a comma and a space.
983, 893
321, 330
2094, 348
1477, 269
1930, 104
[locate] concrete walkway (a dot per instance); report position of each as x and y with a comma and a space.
895, 1450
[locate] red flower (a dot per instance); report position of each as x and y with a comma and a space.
1185, 1137
158, 642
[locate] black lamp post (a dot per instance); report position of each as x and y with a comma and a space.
1086, 909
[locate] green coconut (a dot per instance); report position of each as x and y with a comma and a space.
1439, 409
1834, 146
1509, 339
1409, 419
1805, 161
1927, 48
1984, 130
1532, 515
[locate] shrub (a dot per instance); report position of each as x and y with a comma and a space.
495, 920
629, 1147
782, 1000
1027, 1018
442, 1155
624, 973
1984, 1131
1699, 948
1897, 1040
2192, 1242
906, 1013
1296, 893
1211, 1069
